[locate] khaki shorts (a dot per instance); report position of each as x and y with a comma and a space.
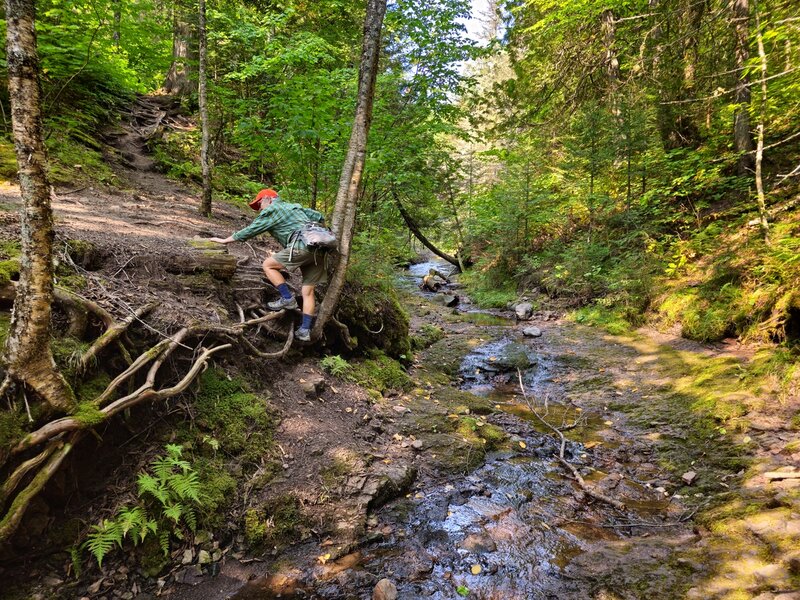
312, 264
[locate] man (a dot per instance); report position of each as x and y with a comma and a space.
283, 220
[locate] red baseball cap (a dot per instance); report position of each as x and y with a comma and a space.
268, 193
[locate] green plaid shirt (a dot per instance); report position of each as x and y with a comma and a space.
280, 219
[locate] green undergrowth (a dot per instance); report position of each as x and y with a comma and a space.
236, 418
607, 319
9, 261
380, 373
74, 156
8, 160
708, 405
230, 439
726, 281
177, 153
486, 290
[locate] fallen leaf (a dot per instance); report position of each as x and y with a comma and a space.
476, 569
523, 445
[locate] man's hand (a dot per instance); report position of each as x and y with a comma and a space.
226, 240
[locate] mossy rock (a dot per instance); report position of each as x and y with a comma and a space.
278, 521
445, 356
459, 401
381, 373
426, 336
375, 318
455, 453
151, 557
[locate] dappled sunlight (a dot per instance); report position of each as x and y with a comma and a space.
703, 406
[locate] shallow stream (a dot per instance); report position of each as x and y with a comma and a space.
513, 528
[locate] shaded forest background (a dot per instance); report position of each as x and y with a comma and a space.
602, 154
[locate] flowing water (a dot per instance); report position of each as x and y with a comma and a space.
511, 529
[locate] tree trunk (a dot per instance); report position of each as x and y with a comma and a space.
178, 82
117, 21
762, 203
412, 226
344, 212
742, 136
28, 354
205, 204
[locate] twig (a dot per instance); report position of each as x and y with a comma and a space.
577, 476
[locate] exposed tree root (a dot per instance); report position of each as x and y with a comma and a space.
38, 469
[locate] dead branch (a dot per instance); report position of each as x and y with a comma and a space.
569, 466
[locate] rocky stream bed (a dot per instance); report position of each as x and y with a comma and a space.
513, 523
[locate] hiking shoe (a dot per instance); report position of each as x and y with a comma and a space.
303, 334
282, 303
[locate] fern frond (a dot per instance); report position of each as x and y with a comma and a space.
186, 485
131, 519
103, 538
174, 511
163, 541
190, 517
77, 563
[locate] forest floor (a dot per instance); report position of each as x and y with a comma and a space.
448, 484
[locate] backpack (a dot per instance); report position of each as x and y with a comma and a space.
318, 237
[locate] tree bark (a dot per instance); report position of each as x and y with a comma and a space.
742, 136
762, 203
178, 82
28, 354
344, 212
205, 204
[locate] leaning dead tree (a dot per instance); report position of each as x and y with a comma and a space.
28, 358
458, 261
30, 462
344, 212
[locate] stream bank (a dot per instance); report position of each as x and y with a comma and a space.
493, 515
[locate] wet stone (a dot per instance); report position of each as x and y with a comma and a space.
523, 311
478, 543
384, 590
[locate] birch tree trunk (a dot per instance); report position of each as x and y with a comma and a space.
205, 166
742, 136
28, 356
344, 212
762, 203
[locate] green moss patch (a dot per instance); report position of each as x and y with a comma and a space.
381, 373
426, 336
234, 417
